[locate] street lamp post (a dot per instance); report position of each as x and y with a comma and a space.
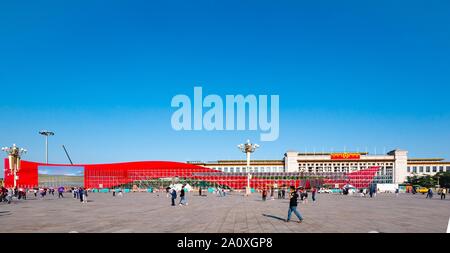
248, 148
46, 134
14, 154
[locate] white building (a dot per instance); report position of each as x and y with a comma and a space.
394, 167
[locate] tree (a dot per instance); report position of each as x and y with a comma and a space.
443, 178
425, 181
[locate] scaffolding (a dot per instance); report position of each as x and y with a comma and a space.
161, 178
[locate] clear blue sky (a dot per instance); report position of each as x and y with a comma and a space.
101, 75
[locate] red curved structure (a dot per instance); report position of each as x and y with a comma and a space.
116, 174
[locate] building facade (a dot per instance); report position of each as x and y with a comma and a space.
294, 169
394, 167
430, 166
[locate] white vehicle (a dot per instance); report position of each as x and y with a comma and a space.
324, 190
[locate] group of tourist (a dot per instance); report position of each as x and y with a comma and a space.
295, 195
80, 193
281, 193
173, 193
441, 191
6, 194
301, 192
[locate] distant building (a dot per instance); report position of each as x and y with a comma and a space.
394, 167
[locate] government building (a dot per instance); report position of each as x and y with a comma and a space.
394, 167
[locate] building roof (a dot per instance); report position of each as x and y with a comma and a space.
425, 159
220, 162
330, 153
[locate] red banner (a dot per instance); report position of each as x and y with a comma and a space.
346, 156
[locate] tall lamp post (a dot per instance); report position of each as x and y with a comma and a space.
46, 134
248, 148
14, 154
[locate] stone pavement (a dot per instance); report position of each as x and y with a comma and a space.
151, 212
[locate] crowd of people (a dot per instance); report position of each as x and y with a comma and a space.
302, 192
295, 195
80, 193
7, 194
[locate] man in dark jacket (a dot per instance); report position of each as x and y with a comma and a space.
182, 196
293, 206
174, 196
81, 192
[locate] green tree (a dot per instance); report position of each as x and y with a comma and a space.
443, 179
425, 181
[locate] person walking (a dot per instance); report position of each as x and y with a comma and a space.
60, 192
42, 193
114, 192
313, 194
10, 195
85, 195
429, 194
300, 193
80, 193
396, 192
200, 191
174, 196
283, 193
444, 191
167, 191
19, 194
182, 197
293, 206
264, 195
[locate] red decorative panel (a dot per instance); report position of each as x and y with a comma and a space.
115, 174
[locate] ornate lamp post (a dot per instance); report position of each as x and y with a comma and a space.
14, 154
248, 148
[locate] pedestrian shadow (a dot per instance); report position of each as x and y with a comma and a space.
4, 213
274, 217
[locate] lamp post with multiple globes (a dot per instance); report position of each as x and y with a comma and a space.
14, 154
248, 148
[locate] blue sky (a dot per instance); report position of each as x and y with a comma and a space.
101, 75
61, 170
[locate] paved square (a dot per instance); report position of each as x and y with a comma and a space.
151, 212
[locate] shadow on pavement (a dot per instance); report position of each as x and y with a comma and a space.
4, 213
274, 217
